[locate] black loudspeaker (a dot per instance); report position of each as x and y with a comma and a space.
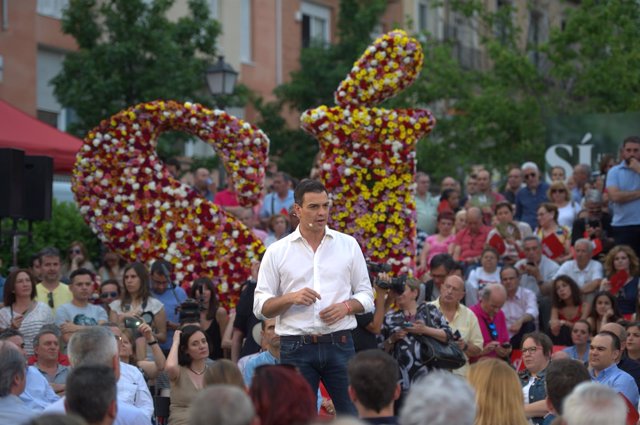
38, 183
11, 183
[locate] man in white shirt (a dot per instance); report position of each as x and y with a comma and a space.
314, 281
12, 382
521, 307
586, 272
97, 345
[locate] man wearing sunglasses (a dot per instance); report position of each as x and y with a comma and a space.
529, 198
493, 323
51, 291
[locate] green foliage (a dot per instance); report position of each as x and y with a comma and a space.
129, 52
66, 225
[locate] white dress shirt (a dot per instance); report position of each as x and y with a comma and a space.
591, 272
133, 389
523, 302
336, 270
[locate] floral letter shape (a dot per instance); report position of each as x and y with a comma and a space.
368, 153
132, 203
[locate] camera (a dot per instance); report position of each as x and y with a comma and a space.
396, 284
189, 311
378, 267
132, 322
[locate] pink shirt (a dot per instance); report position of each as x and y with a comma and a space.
471, 244
501, 333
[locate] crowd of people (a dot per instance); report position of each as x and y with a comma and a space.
535, 285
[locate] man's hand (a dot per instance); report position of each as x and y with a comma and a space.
334, 313
502, 352
305, 296
68, 327
634, 164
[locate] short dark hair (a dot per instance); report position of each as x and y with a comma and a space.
80, 272
541, 339
184, 359
445, 260
307, 186
373, 375
156, 267
616, 341
631, 139
562, 376
49, 251
90, 390
503, 204
509, 267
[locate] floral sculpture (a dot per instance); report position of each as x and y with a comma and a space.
367, 154
138, 209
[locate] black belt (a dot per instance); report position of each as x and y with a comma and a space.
335, 337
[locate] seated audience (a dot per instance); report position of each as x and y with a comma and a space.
21, 310
622, 267
498, 393
562, 376
604, 309
186, 365
469, 242
487, 273
109, 292
567, 308
46, 345
605, 350
493, 324
430, 402
520, 309
461, 319
624, 363
580, 341
568, 209
593, 404
633, 341
373, 386
213, 317
586, 272
270, 342
438, 243
222, 405
556, 239
91, 394
271, 391
13, 379
78, 259
508, 234
536, 355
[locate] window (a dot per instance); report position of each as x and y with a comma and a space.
316, 22
52, 8
428, 18
246, 53
213, 9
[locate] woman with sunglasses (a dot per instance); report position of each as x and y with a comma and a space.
109, 292
78, 258
568, 209
137, 302
186, 366
213, 317
21, 311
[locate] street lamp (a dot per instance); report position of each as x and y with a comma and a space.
221, 78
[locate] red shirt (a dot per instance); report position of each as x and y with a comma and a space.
471, 244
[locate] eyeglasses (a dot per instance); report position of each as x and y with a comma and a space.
109, 295
558, 191
50, 299
531, 350
529, 175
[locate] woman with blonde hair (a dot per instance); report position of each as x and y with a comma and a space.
499, 397
621, 263
568, 209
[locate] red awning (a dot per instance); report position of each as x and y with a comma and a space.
21, 131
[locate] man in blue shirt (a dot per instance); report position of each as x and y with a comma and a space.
171, 298
605, 350
529, 198
623, 188
279, 200
12, 384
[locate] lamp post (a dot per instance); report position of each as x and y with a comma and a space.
221, 80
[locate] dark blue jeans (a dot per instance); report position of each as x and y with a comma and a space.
326, 361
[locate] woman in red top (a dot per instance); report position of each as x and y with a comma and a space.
567, 308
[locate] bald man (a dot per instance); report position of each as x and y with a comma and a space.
460, 318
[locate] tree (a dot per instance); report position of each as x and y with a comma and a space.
129, 52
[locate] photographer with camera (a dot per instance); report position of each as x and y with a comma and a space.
137, 303
400, 327
169, 294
